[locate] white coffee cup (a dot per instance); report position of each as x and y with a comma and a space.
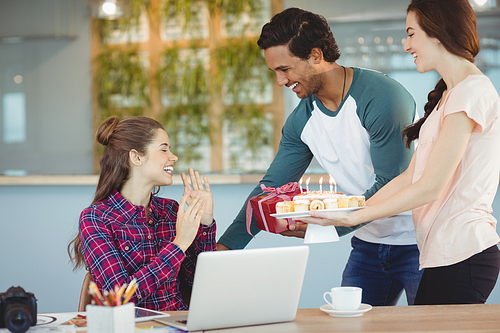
344, 298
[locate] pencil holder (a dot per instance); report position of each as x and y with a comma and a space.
111, 319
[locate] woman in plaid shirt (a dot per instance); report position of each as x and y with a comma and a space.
130, 233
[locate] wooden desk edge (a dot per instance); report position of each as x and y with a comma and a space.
478, 318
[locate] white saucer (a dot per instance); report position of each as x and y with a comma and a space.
355, 313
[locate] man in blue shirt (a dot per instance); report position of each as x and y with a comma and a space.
350, 120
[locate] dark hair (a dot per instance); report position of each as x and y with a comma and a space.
301, 31
119, 137
453, 23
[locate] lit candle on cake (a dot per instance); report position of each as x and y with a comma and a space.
321, 184
300, 184
307, 183
332, 182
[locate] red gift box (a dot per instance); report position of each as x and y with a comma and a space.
264, 204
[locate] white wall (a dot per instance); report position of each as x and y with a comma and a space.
37, 222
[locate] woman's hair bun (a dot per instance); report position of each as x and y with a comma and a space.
106, 130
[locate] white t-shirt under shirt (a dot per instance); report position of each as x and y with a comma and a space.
459, 223
349, 163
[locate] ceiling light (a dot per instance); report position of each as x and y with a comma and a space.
480, 2
109, 8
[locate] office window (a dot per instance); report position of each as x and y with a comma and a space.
14, 117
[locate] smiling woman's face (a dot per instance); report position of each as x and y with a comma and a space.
159, 161
424, 49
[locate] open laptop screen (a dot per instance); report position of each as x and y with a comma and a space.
245, 287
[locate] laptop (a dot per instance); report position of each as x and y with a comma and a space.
244, 287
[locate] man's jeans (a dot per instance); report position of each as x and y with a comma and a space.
383, 271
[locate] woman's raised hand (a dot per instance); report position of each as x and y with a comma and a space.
188, 220
199, 190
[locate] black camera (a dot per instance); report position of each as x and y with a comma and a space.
17, 310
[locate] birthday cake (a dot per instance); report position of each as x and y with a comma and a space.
319, 200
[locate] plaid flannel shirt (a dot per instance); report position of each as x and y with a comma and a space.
119, 244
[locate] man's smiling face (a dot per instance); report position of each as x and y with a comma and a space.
293, 72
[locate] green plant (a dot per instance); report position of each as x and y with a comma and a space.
183, 81
253, 124
242, 75
123, 24
121, 73
231, 10
123, 82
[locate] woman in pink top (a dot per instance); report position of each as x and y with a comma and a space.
453, 177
